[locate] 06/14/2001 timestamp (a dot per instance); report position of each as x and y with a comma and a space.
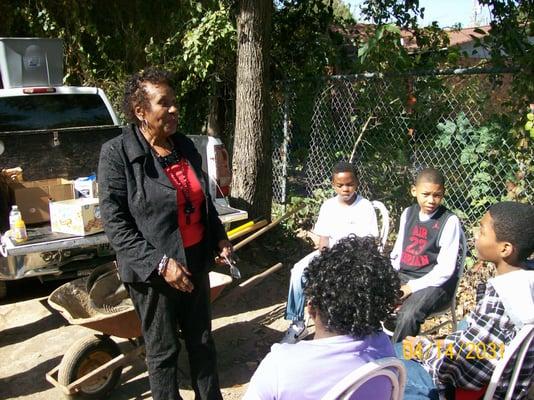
438, 349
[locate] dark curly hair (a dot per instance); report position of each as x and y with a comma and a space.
514, 222
135, 93
352, 286
344, 166
431, 175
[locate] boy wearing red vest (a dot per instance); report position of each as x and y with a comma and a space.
425, 254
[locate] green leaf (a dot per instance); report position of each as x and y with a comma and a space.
379, 33
392, 28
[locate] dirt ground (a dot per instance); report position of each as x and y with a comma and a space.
34, 337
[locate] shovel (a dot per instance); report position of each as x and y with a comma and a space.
234, 271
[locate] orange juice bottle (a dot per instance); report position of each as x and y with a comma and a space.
19, 232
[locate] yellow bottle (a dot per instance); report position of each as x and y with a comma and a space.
19, 232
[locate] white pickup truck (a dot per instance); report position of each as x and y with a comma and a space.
56, 131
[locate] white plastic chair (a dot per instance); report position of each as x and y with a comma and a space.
519, 346
383, 224
390, 367
460, 263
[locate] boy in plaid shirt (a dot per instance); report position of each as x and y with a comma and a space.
466, 358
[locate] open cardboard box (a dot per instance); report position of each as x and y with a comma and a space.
32, 197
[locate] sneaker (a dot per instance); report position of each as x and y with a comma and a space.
389, 324
296, 331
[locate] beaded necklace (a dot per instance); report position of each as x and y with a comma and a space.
180, 179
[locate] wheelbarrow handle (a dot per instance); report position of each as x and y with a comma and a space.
251, 282
268, 227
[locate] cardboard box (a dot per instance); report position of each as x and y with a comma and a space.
78, 217
32, 197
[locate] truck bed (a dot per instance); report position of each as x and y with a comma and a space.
63, 153
42, 239
50, 253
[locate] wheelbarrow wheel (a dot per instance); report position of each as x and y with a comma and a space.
84, 356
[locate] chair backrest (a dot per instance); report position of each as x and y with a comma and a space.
460, 265
383, 222
462, 254
518, 347
389, 367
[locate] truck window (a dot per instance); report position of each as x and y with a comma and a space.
36, 112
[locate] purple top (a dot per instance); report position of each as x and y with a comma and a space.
308, 369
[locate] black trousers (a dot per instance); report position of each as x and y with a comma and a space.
419, 305
163, 311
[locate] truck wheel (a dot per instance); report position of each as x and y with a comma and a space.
3, 290
84, 356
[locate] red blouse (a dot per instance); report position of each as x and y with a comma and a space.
186, 183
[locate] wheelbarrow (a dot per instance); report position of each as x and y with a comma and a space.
92, 366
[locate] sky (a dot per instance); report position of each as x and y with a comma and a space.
445, 12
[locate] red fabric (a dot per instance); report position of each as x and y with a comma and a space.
193, 232
464, 394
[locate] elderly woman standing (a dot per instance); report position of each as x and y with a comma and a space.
164, 228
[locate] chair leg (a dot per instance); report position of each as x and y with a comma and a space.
453, 315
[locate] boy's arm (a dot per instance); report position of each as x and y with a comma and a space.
468, 358
446, 262
395, 255
322, 227
372, 222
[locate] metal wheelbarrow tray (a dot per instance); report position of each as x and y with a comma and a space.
92, 366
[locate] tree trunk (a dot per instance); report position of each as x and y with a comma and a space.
214, 120
252, 173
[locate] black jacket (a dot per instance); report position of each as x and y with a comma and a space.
138, 204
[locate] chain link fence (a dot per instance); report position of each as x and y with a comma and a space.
390, 127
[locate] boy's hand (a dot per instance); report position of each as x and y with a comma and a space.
408, 346
416, 347
406, 291
324, 241
411, 340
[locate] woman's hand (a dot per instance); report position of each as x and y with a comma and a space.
177, 275
226, 250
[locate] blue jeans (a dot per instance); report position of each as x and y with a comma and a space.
295, 297
419, 383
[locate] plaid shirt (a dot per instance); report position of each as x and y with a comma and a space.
467, 358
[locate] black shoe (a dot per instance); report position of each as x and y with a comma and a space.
389, 324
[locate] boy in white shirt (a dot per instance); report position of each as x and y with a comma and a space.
346, 213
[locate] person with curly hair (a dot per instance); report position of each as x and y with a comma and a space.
161, 221
350, 288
